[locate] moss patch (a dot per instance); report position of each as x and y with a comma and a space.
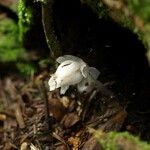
141, 9
117, 141
26, 68
10, 48
25, 14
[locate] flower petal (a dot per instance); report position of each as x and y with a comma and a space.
94, 72
63, 89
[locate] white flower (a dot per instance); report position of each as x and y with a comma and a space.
89, 83
74, 71
71, 71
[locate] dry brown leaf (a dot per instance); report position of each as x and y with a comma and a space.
70, 119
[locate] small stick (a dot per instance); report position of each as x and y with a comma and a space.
45, 97
19, 116
48, 119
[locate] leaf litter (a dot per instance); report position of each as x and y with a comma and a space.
26, 123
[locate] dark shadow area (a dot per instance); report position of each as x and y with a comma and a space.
10, 13
34, 38
114, 50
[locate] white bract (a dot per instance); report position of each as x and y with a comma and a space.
73, 71
89, 83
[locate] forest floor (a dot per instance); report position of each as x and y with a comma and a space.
27, 120
33, 118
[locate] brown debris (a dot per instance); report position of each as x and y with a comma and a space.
62, 147
92, 144
115, 122
74, 141
24, 146
70, 119
23, 117
19, 116
2, 117
56, 108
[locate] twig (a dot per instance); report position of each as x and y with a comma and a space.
45, 97
19, 117
56, 136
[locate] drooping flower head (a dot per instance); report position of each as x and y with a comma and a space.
73, 71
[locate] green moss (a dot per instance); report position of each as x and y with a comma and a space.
46, 62
117, 141
25, 14
10, 48
102, 10
141, 8
26, 68
42, 1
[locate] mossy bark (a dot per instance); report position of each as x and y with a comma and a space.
48, 25
133, 14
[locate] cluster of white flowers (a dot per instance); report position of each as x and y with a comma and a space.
73, 71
